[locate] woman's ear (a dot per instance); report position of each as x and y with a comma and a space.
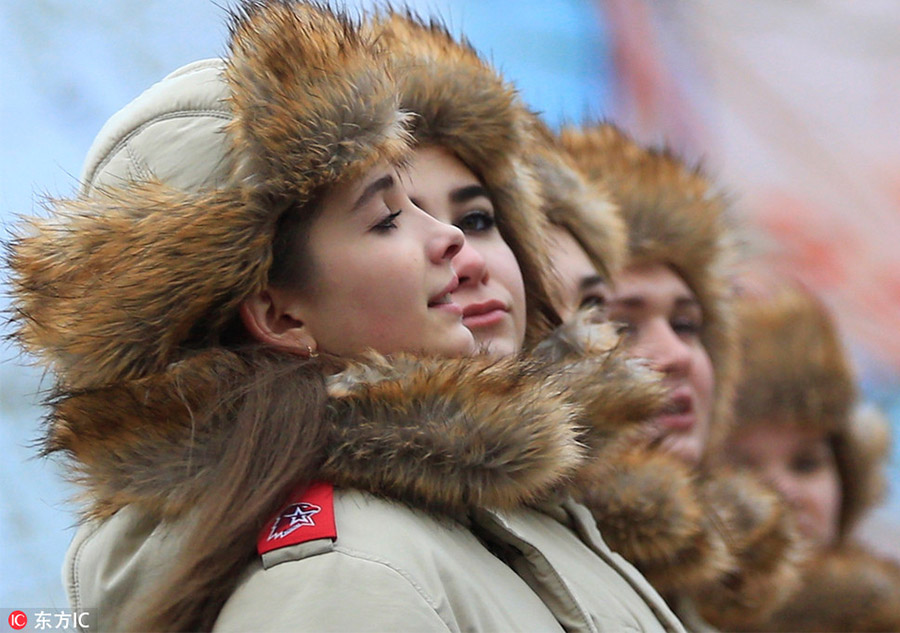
272, 317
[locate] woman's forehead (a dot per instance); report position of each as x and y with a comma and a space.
643, 285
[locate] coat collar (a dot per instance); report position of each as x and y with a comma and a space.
443, 434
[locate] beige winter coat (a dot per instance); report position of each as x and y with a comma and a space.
185, 444
393, 568
450, 508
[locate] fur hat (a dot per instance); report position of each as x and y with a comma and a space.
674, 216
462, 104
184, 188
796, 371
583, 208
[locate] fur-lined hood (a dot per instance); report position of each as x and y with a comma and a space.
674, 216
794, 367
795, 371
183, 190
441, 434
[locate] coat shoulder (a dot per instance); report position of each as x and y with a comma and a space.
402, 568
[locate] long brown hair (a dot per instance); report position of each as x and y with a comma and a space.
275, 442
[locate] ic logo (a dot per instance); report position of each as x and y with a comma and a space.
18, 620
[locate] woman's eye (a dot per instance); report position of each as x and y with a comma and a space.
806, 464
476, 222
687, 328
810, 462
593, 301
388, 222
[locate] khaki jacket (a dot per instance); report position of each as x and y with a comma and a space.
393, 568
450, 505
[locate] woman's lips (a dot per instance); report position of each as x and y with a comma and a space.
486, 314
679, 412
444, 302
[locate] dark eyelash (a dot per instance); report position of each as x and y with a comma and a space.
486, 222
387, 223
687, 326
593, 301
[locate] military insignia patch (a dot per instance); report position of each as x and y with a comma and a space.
307, 516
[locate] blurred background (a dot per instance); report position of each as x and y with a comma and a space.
793, 107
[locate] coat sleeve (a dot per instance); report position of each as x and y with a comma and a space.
332, 592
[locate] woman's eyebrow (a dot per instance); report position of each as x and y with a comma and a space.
464, 194
588, 282
629, 302
385, 182
688, 302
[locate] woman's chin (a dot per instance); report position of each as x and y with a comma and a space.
684, 448
496, 347
459, 342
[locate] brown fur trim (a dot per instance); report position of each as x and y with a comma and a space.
449, 435
114, 283
617, 392
848, 589
648, 508
465, 106
110, 286
583, 208
767, 552
794, 366
440, 434
313, 99
674, 216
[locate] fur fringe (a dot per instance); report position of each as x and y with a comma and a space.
848, 589
120, 283
767, 551
722, 539
584, 208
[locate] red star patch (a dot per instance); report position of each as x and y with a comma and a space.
307, 516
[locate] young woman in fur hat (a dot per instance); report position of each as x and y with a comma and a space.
664, 503
797, 426
466, 170
206, 305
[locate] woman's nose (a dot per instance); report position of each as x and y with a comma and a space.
470, 265
782, 481
665, 350
446, 242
